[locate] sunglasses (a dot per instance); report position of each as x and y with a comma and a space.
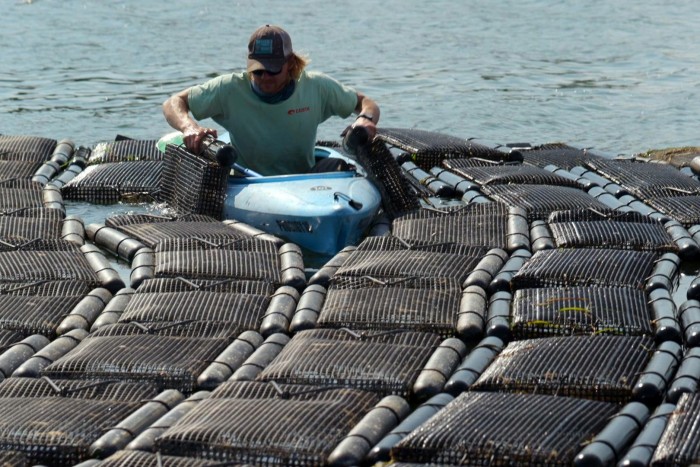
259, 73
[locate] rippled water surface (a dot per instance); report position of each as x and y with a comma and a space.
619, 76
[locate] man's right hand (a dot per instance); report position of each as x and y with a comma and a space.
193, 137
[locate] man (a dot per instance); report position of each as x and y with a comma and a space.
272, 110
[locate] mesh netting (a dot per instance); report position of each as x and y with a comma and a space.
147, 459
646, 180
539, 201
26, 148
53, 428
168, 356
241, 259
680, 442
18, 169
506, 174
385, 257
39, 307
483, 224
603, 368
427, 149
563, 156
110, 183
198, 303
397, 195
384, 363
685, 209
68, 263
262, 424
8, 337
363, 303
630, 230
18, 194
585, 267
150, 230
16, 229
192, 184
126, 150
579, 310
501, 429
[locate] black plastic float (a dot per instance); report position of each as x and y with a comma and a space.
54, 350
113, 309
230, 360
308, 308
260, 358
279, 313
84, 314
687, 378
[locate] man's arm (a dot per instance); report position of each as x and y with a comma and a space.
177, 113
368, 114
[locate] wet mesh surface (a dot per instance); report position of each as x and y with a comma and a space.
579, 310
193, 185
112, 182
29, 224
256, 423
484, 224
386, 257
539, 201
18, 169
368, 304
127, 150
397, 195
685, 209
18, 194
385, 363
147, 459
150, 230
427, 149
646, 180
243, 303
39, 307
680, 442
507, 174
563, 156
603, 368
622, 230
69, 263
501, 429
243, 259
168, 356
8, 337
55, 429
585, 267
26, 148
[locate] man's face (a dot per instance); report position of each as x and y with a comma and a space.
270, 83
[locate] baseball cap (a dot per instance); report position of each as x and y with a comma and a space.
269, 47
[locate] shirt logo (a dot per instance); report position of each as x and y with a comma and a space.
298, 111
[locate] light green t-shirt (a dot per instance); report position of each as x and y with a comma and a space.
272, 139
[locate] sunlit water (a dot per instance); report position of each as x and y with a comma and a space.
617, 76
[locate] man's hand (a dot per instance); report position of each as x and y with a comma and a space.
193, 136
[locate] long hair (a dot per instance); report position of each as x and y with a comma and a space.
297, 63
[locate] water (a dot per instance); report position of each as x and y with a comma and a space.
616, 75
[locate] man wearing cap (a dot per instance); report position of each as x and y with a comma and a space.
272, 110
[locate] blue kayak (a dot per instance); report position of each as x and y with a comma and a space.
320, 212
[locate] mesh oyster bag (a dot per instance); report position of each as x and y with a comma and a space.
503, 429
169, 356
386, 257
564, 311
266, 424
384, 363
55, 423
26, 148
539, 201
506, 174
368, 304
112, 182
680, 443
585, 267
193, 184
603, 368
483, 224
